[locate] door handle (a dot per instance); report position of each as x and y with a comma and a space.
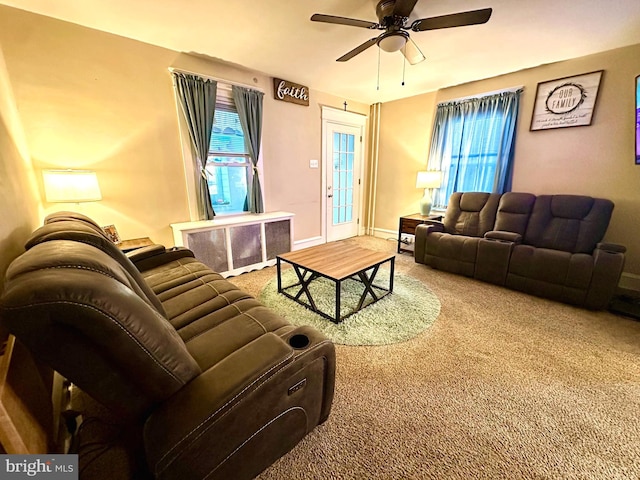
329, 196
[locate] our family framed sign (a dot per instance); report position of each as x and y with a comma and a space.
566, 102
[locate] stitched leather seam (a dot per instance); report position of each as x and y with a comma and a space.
229, 304
184, 266
278, 417
81, 267
171, 280
212, 326
213, 414
114, 320
195, 277
255, 320
208, 284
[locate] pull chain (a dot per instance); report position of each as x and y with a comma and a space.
404, 64
378, 81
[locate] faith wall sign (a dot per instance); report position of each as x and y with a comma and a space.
290, 92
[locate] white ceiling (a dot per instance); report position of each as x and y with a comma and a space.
277, 38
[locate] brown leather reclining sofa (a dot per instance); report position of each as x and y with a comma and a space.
219, 384
546, 245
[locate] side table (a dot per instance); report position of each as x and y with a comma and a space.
408, 225
134, 243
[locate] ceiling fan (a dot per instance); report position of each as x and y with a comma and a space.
392, 18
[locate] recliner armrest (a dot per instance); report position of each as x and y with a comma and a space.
152, 256
421, 234
608, 262
432, 226
145, 252
503, 236
611, 247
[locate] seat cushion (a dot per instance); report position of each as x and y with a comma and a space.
452, 253
550, 273
207, 310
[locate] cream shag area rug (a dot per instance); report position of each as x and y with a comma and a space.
397, 317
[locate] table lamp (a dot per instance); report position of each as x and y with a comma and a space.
71, 186
428, 180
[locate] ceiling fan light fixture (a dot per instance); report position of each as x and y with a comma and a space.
392, 17
393, 41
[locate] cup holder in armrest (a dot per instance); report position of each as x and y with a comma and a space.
299, 341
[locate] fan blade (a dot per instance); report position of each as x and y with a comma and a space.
412, 53
472, 17
403, 8
353, 22
357, 50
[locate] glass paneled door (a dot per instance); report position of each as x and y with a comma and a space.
343, 169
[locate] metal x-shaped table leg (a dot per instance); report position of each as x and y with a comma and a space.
304, 285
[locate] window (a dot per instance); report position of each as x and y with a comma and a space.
226, 183
228, 163
343, 156
473, 143
474, 155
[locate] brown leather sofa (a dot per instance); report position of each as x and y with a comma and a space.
546, 245
218, 384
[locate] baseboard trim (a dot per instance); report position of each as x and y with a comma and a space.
308, 242
629, 281
385, 233
313, 241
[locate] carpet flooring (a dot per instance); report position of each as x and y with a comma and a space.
503, 385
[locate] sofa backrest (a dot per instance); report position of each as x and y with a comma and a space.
65, 216
78, 310
471, 213
514, 212
572, 223
76, 229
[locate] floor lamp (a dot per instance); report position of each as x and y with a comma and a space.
428, 180
71, 186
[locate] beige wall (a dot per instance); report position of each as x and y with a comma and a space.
20, 202
596, 160
89, 99
405, 132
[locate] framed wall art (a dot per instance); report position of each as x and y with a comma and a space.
566, 102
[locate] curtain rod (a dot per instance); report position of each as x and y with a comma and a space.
217, 79
481, 95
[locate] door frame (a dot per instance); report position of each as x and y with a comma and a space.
350, 119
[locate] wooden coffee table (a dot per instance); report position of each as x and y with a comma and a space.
336, 262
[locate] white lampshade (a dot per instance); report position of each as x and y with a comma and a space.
429, 179
71, 186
